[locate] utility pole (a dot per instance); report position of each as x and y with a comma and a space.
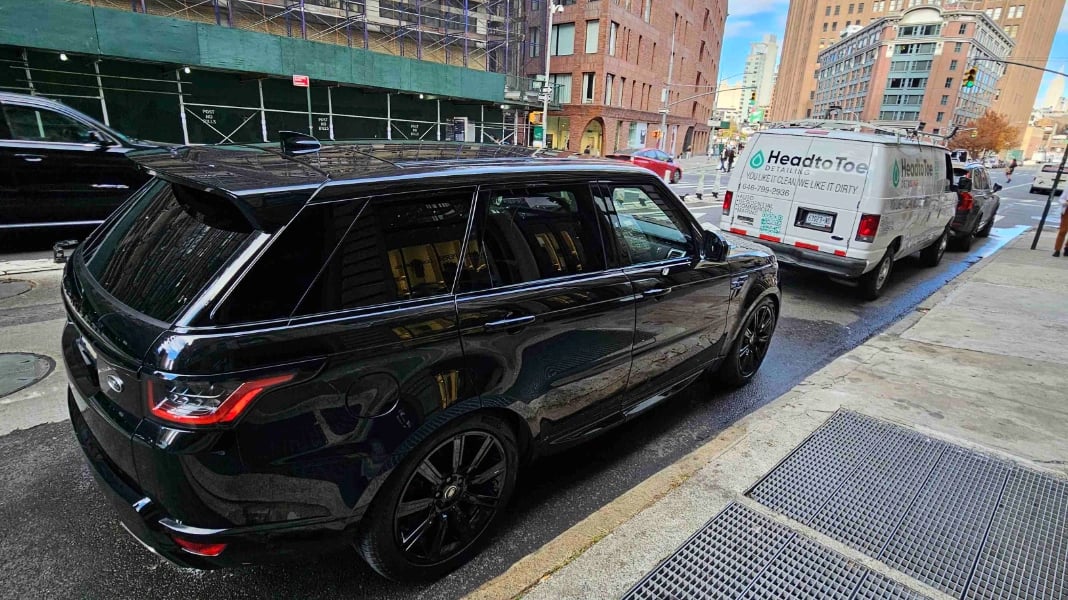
666, 95
546, 89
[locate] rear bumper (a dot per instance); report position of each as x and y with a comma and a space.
964, 223
155, 529
841, 266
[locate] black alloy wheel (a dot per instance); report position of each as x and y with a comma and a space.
751, 345
985, 231
432, 513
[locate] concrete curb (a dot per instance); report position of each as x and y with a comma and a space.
569, 545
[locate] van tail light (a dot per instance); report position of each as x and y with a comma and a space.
869, 226
205, 403
727, 199
966, 201
199, 548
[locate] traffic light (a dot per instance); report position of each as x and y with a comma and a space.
969, 77
974, 133
535, 117
752, 99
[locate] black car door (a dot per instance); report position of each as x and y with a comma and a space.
546, 327
682, 300
63, 175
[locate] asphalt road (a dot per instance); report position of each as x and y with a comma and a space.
59, 539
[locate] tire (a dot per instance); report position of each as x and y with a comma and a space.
985, 231
871, 284
437, 543
676, 176
750, 347
933, 253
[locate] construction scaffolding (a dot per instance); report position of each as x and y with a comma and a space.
478, 34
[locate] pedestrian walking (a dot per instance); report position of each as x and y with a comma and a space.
1009, 170
730, 159
1062, 231
723, 159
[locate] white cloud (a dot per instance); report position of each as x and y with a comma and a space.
738, 8
736, 28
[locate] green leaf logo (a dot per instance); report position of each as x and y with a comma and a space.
758, 160
895, 175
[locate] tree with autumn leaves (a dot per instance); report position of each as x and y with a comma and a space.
992, 134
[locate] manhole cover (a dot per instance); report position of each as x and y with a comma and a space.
13, 287
19, 370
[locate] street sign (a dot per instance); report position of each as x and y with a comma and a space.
301, 81
756, 116
547, 89
538, 131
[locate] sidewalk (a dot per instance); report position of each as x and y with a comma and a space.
979, 374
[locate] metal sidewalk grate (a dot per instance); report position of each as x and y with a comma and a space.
970, 525
743, 554
1026, 554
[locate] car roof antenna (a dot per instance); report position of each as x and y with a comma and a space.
295, 143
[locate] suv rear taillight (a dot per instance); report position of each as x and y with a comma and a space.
727, 199
205, 403
869, 226
966, 201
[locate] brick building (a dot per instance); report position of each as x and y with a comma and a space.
609, 61
908, 68
813, 25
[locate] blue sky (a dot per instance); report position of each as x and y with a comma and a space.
749, 20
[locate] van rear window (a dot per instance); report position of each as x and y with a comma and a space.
166, 248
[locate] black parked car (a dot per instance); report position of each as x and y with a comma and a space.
977, 204
59, 167
272, 355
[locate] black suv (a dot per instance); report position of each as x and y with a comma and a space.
977, 204
269, 355
59, 167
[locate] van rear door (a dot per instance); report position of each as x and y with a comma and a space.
801, 190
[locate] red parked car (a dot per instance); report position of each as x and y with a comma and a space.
657, 161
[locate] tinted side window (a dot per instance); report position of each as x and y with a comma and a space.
279, 278
981, 182
167, 247
531, 233
41, 125
399, 247
646, 226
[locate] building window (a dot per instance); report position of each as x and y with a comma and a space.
563, 40
535, 4
940, 116
613, 31
562, 83
834, 26
945, 100
837, 9
648, 10
963, 28
850, 9
622, 87
860, 8
609, 81
949, 82
997, 13
825, 25
587, 88
953, 65
1012, 12
827, 13
1019, 11
958, 46
593, 30
535, 42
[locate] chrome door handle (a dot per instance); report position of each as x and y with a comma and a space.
655, 292
512, 323
31, 157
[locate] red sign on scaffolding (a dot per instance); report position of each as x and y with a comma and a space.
301, 81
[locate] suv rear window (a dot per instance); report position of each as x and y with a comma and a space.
159, 255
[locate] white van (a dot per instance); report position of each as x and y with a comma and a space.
1043, 182
842, 202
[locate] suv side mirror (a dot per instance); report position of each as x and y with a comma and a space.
99, 139
997, 187
712, 246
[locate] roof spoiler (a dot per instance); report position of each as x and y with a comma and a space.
295, 143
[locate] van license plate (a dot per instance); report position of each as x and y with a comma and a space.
819, 220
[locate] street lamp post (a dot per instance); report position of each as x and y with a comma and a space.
664, 110
551, 8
